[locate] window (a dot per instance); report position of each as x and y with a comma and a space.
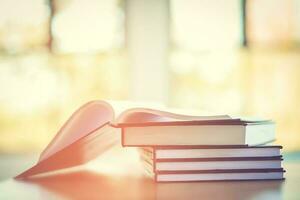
80, 26
205, 38
23, 25
273, 23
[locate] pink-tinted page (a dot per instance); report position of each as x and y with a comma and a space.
86, 120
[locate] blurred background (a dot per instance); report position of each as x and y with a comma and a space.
238, 57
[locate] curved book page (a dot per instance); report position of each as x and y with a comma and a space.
86, 135
87, 118
144, 115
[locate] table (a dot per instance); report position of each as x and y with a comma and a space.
120, 177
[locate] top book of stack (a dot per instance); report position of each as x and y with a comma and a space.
198, 132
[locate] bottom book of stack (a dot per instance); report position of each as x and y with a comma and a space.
195, 163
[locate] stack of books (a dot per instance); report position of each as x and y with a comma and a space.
173, 147
206, 150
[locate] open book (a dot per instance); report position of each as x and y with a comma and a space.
93, 129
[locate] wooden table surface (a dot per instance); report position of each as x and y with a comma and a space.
120, 177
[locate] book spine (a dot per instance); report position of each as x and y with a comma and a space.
154, 160
222, 171
219, 159
221, 180
122, 137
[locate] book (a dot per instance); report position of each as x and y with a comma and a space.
194, 164
201, 132
219, 190
93, 129
219, 151
218, 175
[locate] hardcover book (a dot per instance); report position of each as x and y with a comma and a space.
217, 151
194, 164
218, 175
